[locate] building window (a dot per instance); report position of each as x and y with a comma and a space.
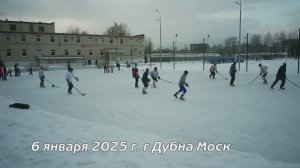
78, 39
23, 38
91, 52
65, 39
66, 52
122, 41
101, 41
38, 38
39, 52
78, 52
101, 52
52, 52
52, 39
41, 29
8, 52
12, 27
7, 37
31, 27
24, 53
90, 40
111, 40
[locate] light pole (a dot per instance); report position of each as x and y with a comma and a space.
175, 45
247, 55
159, 36
240, 27
203, 53
116, 34
207, 46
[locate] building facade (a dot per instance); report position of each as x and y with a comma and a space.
36, 43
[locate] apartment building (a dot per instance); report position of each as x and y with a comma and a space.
36, 43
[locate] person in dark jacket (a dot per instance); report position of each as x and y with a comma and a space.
232, 72
145, 80
280, 76
135, 75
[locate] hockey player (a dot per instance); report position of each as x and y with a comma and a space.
154, 74
263, 72
135, 75
182, 83
213, 70
42, 77
232, 72
145, 80
30, 71
69, 76
280, 76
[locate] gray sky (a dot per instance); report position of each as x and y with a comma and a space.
190, 19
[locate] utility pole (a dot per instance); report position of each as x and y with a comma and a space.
203, 53
247, 55
298, 53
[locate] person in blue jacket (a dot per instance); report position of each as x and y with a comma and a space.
145, 80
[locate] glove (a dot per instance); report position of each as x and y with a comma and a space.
187, 85
76, 78
158, 77
260, 73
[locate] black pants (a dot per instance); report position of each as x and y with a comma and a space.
136, 82
145, 82
42, 82
70, 86
278, 79
212, 74
232, 79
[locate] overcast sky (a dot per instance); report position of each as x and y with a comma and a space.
190, 19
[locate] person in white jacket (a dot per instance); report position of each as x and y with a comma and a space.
263, 72
213, 70
154, 75
69, 76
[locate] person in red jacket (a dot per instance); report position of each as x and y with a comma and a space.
1, 73
135, 75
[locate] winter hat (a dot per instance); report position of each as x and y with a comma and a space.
186, 72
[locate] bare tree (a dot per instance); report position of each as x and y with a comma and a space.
255, 43
118, 29
75, 30
230, 45
148, 45
268, 39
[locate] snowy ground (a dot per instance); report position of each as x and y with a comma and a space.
261, 125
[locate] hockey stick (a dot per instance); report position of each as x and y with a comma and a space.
82, 94
151, 85
165, 80
293, 83
222, 76
51, 83
254, 79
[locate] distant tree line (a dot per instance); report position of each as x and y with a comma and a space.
262, 43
